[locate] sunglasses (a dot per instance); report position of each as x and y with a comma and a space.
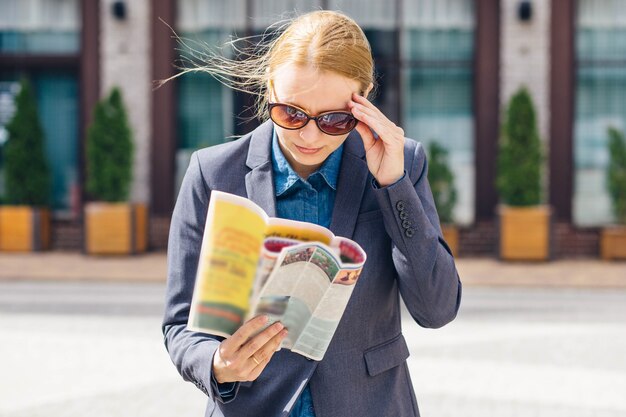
334, 123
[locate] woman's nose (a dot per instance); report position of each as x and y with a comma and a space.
310, 133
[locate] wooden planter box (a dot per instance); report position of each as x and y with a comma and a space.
613, 243
24, 229
525, 233
451, 236
116, 228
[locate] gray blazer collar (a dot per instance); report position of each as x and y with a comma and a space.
351, 183
260, 151
353, 178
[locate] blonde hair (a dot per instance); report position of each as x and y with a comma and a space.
324, 40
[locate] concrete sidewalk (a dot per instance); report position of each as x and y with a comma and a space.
152, 268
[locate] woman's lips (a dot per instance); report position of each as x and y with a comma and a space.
308, 151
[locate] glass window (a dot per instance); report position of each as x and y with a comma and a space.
57, 102
378, 21
600, 103
437, 50
205, 106
8, 91
369, 14
39, 26
268, 12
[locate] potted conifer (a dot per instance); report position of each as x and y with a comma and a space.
25, 216
524, 221
112, 224
613, 238
441, 180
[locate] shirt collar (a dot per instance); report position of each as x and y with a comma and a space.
286, 177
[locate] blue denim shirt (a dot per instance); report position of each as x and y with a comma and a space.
308, 200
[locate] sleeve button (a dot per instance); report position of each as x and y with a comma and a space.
406, 224
400, 205
409, 233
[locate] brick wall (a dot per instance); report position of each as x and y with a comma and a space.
480, 239
568, 241
574, 242
159, 229
67, 235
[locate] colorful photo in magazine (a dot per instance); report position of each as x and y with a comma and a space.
326, 263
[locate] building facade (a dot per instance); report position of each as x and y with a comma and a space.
446, 70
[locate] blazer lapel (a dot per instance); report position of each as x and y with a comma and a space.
259, 181
351, 185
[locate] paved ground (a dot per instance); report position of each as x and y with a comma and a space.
75, 348
152, 268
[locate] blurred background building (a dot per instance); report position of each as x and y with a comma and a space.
446, 70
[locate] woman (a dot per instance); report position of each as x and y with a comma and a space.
317, 159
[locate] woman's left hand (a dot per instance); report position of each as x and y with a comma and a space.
385, 154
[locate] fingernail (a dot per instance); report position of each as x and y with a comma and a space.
279, 326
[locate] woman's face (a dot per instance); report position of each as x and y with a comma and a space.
316, 92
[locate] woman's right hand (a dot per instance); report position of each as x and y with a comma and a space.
242, 357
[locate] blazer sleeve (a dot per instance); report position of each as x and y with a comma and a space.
191, 352
427, 277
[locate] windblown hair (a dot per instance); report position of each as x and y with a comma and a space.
324, 40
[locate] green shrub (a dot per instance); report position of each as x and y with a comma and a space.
27, 175
616, 174
109, 151
441, 181
520, 157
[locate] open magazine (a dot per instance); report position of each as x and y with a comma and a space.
297, 273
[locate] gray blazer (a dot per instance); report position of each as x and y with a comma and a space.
364, 371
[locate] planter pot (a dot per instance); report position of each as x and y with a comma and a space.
24, 229
451, 236
613, 243
525, 233
115, 228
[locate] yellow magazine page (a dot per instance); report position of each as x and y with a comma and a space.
227, 266
301, 231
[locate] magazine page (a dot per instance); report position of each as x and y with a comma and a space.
301, 231
270, 252
282, 233
318, 332
302, 280
292, 290
231, 246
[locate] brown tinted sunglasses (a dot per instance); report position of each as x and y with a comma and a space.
334, 123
